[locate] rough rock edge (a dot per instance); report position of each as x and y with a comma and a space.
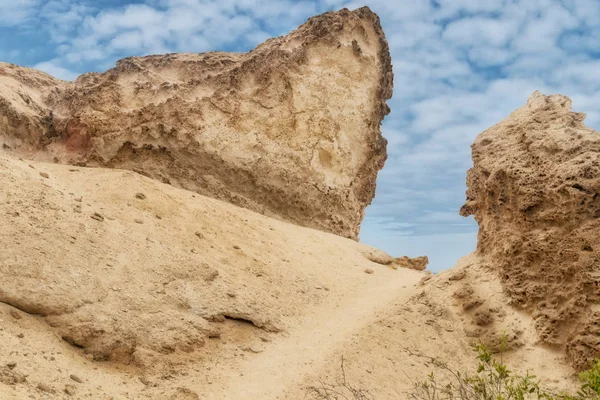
533, 190
42, 128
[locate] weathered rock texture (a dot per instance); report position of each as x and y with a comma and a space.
290, 129
418, 263
534, 190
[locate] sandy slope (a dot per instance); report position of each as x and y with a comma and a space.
289, 359
306, 292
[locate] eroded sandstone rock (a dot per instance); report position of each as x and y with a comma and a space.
290, 129
534, 190
418, 263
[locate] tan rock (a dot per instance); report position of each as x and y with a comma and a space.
418, 263
290, 129
534, 189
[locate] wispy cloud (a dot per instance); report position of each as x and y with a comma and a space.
16, 12
52, 68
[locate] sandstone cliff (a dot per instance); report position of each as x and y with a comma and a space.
534, 190
290, 129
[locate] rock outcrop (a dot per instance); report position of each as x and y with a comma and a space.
418, 263
534, 190
290, 129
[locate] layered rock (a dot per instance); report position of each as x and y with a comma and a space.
290, 129
534, 190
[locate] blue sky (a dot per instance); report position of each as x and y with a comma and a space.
460, 66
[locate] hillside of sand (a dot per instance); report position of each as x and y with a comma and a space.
114, 285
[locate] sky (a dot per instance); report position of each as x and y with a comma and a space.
460, 66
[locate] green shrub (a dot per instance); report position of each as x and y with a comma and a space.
590, 381
495, 381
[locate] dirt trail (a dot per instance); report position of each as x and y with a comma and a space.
302, 352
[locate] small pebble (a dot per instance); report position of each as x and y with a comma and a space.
369, 271
70, 390
44, 388
140, 196
44, 175
18, 377
97, 217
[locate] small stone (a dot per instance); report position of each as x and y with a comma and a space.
18, 377
217, 318
253, 349
15, 314
140, 196
69, 390
236, 247
138, 221
200, 235
231, 294
45, 388
212, 275
11, 365
20, 336
78, 199
369, 271
158, 216
44, 175
97, 217
76, 378
144, 380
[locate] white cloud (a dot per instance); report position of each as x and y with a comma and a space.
50, 67
479, 31
15, 12
541, 34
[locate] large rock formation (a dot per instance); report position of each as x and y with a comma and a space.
290, 129
534, 190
